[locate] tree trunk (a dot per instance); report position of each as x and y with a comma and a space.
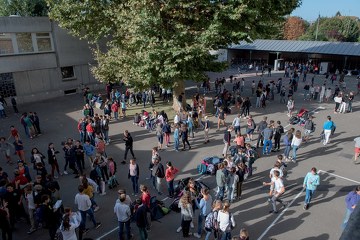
178, 89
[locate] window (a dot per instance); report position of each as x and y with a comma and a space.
7, 86
6, 46
24, 42
43, 41
67, 73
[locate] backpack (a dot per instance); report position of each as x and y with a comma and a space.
211, 220
202, 168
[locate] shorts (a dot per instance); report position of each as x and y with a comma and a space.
250, 131
357, 150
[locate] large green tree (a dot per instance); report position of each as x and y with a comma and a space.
165, 41
25, 8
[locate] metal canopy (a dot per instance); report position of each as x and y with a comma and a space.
334, 48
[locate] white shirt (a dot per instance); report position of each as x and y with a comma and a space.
296, 141
278, 184
83, 202
236, 122
272, 172
225, 220
338, 99
30, 200
70, 234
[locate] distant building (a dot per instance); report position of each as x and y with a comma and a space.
339, 55
39, 60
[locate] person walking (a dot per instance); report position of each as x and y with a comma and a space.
170, 173
329, 128
187, 213
226, 221
84, 205
70, 222
141, 219
311, 182
295, 144
123, 214
276, 190
128, 145
185, 136
351, 201
133, 175
159, 135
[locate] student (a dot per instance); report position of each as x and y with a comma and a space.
123, 214
204, 207
187, 213
311, 182
351, 200
170, 173
70, 222
276, 190
329, 128
226, 221
295, 144
141, 219
133, 174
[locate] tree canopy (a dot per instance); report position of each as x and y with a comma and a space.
25, 8
165, 42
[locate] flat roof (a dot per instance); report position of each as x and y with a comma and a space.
320, 47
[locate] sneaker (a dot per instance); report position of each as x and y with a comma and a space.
294, 161
97, 225
305, 207
192, 225
85, 231
56, 177
197, 235
123, 162
179, 229
96, 208
66, 173
103, 193
31, 231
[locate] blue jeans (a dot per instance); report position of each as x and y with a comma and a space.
295, 148
90, 212
237, 129
208, 234
143, 233
221, 192
308, 196
27, 132
82, 136
176, 144
225, 235
106, 135
346, 218
267, 146
135, 184
127, 229
170, 186
200, 221
287, 151
116, 115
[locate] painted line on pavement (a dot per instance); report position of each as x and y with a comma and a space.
280, 215
345, 178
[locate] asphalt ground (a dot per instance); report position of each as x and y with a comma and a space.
322, 221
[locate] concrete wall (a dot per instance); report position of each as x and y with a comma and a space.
37, 76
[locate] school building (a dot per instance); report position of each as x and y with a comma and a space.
39, 60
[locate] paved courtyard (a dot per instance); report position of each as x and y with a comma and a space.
322, 221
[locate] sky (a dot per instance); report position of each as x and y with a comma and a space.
310, 9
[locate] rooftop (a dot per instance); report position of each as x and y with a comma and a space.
334, 48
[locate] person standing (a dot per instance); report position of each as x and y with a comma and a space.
187, 213
220, 182
69, 224
236, 124
128, 145
170, 173
351, 201
158, 173
357, 149
311, 181
166, 130
133, 175
329, 128
141, 219
267, 135
123, 214
260, 128
278, 131
290, 106
295, 144
185, 136
176, 137
204, 206
19, 149
308, 128
226, 221
276, 190
5, 148
250, 128
221, 118
227, 140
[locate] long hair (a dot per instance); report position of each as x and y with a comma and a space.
298, 134
66, 223
185, 199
